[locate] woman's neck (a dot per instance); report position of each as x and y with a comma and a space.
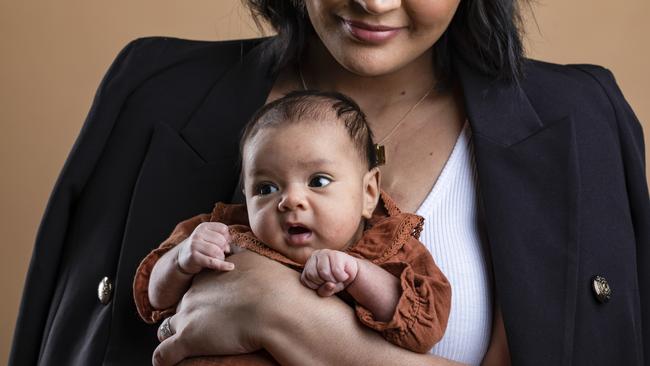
376, 95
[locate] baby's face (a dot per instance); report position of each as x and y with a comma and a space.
307, 188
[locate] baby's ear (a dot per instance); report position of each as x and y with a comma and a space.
371, 191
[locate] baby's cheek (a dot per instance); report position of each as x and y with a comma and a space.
263, 229
341, 230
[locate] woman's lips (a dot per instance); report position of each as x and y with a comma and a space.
370, 33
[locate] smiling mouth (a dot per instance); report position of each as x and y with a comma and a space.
370, 33
370, 27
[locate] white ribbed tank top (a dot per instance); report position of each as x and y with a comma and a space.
454, 234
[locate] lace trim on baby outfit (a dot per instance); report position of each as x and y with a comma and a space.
387, 225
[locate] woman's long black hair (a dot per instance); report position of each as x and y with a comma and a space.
485, 33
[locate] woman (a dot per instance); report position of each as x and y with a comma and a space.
560, 224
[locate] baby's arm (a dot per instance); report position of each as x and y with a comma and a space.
330, 271
172, 274
227, 214
406, 298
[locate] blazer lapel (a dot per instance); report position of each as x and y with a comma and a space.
197, 166
529, 185
230, 104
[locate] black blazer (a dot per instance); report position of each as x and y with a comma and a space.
562, 179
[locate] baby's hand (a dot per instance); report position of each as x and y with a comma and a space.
205, 248
329, 271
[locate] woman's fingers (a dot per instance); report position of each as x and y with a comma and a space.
165, 329
169, 352
212, 319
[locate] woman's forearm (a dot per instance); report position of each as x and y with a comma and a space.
333, 336
262, 304
301, 328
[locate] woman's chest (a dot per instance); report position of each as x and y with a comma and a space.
415, 161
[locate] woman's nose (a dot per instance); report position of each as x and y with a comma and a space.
292, 199
378, 6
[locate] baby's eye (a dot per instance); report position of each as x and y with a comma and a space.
266, 188
319, 181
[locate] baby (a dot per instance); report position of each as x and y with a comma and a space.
312, 203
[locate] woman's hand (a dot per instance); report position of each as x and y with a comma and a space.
262, 304
220, 313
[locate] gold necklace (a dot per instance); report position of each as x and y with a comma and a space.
380, 150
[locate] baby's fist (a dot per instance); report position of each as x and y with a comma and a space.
329, 271
205, 248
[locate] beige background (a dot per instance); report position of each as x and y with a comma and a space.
53, 54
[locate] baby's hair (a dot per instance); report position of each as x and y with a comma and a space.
314, 105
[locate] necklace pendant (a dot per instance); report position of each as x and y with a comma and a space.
380, 153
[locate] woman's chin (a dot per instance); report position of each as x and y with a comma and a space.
376, 63
366, 60
369, 66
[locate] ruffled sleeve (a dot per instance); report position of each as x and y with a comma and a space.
421, 315
422, 312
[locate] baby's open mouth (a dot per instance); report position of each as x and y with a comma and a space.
297, 230
298, 235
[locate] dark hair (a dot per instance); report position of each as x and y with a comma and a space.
485, 33
310, 105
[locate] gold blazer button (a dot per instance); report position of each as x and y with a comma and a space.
105, 290
601, 288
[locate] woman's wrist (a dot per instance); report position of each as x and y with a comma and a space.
263, 313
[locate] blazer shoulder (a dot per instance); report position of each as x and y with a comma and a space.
153, 53
171, 46
576, 77
570, 88
587, 91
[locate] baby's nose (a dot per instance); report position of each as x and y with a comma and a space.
292, 199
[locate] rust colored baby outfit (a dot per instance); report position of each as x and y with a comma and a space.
390, 241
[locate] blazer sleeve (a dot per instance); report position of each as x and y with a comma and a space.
421, 315
48, 248
632, 147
